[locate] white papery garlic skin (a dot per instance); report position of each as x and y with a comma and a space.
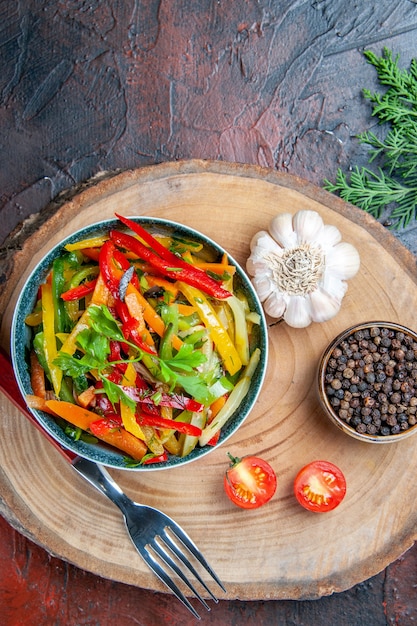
300, 267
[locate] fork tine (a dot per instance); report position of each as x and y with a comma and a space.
169, 561
185, 539
173, 546
167, 580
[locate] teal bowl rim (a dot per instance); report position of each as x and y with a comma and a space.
20, 337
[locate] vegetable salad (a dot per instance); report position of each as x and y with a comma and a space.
140, 342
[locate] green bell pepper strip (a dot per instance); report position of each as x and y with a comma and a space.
174, 268
49, 339
58, 286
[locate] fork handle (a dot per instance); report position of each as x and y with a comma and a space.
99, 478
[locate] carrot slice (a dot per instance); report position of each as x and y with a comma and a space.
87, 396
36, 402
72, 413
121, 439
151, 316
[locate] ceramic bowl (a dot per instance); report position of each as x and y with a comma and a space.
20, 341
367, 382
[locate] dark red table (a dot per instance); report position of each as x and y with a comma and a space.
94, 87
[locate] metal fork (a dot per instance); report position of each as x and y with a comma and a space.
161, 542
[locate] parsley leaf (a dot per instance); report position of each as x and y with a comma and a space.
95, 344
102, 321
116, 394
186, 359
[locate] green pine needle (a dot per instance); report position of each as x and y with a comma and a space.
394, 184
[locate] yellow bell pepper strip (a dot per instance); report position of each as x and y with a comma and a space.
224, 345
233, 402
34, 319
49, 340
93, 242
170, 265
152, 440
70, 344
128, 416
172, 444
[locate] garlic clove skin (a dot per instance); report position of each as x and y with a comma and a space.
262, 239
343, 260
275, 304
329, 237
263, 286
308, 225
261, 246
323, 305
281, 229
297, 313
333, 285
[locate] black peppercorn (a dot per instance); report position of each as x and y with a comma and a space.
371, 381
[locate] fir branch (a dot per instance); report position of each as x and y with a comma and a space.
394, 183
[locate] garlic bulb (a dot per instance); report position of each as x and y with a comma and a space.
300, 267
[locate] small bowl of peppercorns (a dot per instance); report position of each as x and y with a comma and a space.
367, 382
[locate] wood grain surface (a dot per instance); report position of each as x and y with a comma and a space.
289, 553
88, 88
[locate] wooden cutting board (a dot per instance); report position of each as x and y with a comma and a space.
279, 551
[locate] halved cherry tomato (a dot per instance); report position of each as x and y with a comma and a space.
249, 482
320, 486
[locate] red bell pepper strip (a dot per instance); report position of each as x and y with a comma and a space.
155, 459
175, 268
75, 293
130, 327
110, 429
156, 246
162, 422
215, 439
106, 263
